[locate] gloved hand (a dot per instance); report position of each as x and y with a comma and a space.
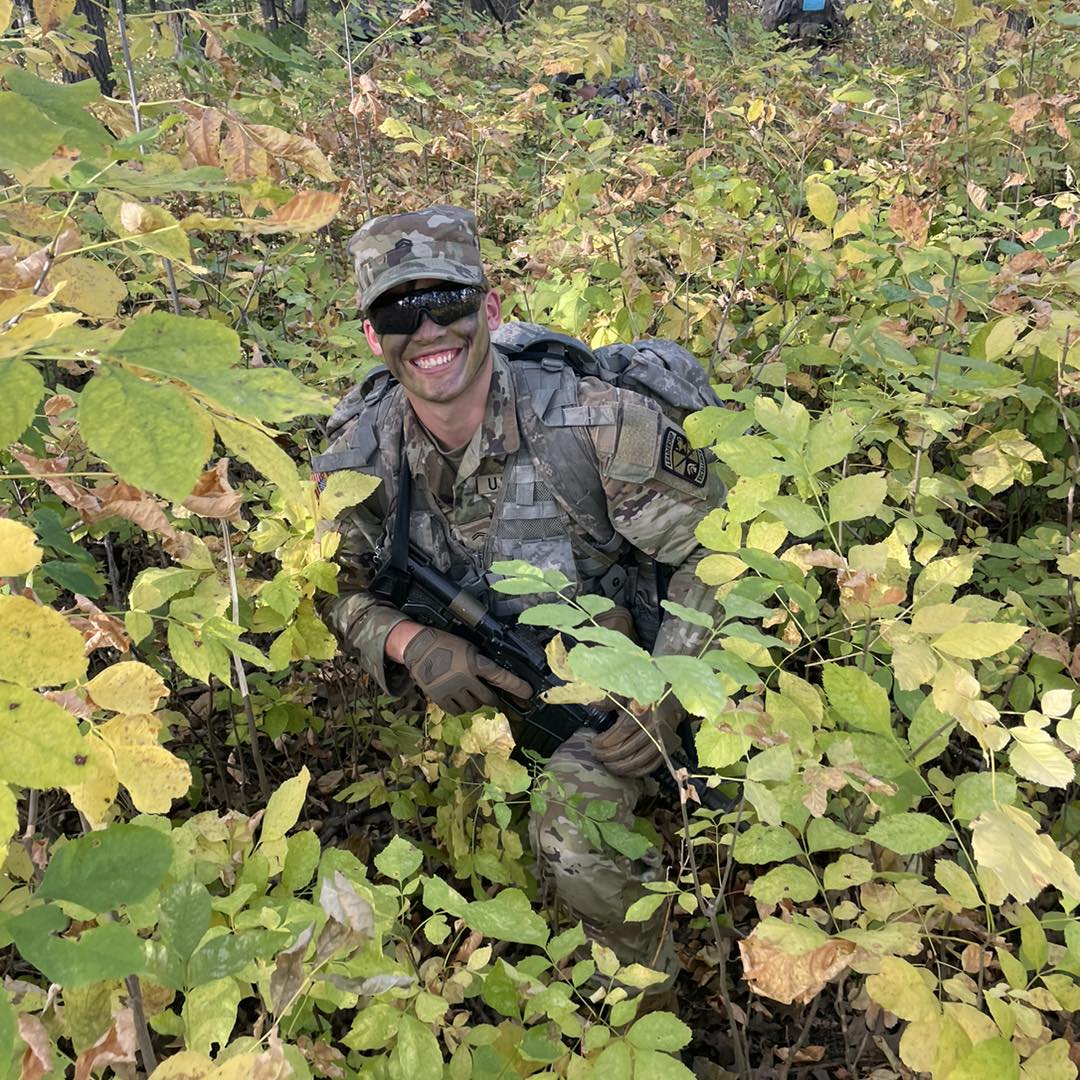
453, 674
627, 748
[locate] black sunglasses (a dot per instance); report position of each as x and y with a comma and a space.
443, 304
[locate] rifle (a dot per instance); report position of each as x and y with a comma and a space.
406, 579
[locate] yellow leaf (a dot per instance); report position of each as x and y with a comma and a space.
1069, 565
98, 785
19, 553
957, 882
1007, 842
90, 286
38, 646
902, 989
488, 735
42, 744
187, 1065
51, 13
28, 333
853, 221
152, 775
249, 444
343, 490
128, 687
976, 640
9, 814
1034, 756
822, 202
720, 569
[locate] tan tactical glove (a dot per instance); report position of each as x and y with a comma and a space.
454, 675
628, 747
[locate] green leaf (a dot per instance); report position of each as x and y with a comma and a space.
695, 684
788, 421
21, 387
30, 137
1050, 1062
121, 864
992, 1057
65, 105
8, 1027
823, 834
417, 1051
861, 703
38, 646
901, 988
908, 834
111, 951
644, 908
559, 616
439, 896
761, 844
717, 748
262, 453
785, 883
856, 497
976, 640
223, 955
659, 1031
185, 917
797, 516
374, 1027
399, 860
153, 435
822, 202
508, 917
210, 1014
690, 615
43, 747
629, 671
956, 881
830, 441
977, 792
202, 353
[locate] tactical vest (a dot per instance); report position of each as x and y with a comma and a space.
551, 509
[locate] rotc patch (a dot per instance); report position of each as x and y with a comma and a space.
680, 459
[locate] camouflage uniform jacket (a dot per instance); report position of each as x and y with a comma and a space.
502, 501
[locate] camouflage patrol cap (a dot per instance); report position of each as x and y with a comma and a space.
437, 242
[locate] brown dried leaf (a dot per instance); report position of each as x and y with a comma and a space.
202, 135
1052, 646
304, 212
909, 221
37, 1057
213, 497
115, 1047
243, 158
69, 700
289, 975
789, 978
294, 148
418, 13
1023, 261
1015, 179
131, 503
978, 195
72, 493
1025, 110
99, 631
57, 404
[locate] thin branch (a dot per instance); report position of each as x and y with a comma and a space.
241, 675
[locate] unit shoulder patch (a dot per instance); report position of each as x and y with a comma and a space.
680, 459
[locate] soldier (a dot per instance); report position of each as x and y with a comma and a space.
476, 431
808, 22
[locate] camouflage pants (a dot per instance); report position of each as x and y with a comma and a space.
595, 882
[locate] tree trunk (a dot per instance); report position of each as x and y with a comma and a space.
269, 14
716, 12
299, 12
503, 11
98, 61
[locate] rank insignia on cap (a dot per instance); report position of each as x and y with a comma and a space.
680, 459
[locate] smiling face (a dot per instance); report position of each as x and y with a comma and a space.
438, 364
